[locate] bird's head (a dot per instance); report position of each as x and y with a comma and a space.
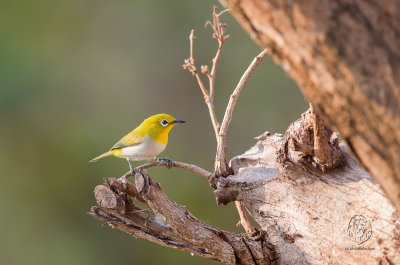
159, 125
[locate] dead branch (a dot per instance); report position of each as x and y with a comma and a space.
171, 225
219, 34
209, 99
221, 165
250, 230
156, 163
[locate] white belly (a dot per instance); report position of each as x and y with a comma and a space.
147, 149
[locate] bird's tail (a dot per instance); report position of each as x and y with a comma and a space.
101, 156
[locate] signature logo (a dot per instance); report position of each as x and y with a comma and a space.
359, 229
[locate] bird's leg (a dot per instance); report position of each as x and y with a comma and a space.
169, 162
147, 219
132, 169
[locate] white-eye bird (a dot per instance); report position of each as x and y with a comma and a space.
145, 142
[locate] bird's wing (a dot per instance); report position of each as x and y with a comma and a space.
132, 138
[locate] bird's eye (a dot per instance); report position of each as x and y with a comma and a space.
164, 123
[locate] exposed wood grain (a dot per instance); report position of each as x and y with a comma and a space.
306, 212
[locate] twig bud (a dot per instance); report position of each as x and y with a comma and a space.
204, 69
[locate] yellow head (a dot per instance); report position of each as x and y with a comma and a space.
158, 126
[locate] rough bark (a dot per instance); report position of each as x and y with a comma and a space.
169, 224
307, 212
309, 143
345, 56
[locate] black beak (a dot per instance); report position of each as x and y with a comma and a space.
177, 121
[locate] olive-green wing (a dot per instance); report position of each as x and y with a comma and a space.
132, 138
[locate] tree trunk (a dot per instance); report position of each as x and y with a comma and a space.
345, 56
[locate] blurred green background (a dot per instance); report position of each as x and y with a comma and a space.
75, 76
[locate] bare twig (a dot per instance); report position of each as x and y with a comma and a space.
190, 65
221, 164
219, 34
242, 82
243, 219
156, 163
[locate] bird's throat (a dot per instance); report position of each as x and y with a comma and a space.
162, 138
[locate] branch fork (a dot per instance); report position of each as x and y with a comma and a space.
221, 166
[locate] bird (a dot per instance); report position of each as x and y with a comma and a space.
145, 142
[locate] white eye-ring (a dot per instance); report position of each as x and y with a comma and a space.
164, 123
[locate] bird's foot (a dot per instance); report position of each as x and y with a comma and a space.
169, 162
133, 170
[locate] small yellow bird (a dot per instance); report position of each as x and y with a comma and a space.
145, 142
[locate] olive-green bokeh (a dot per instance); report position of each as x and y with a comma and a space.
75, 76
